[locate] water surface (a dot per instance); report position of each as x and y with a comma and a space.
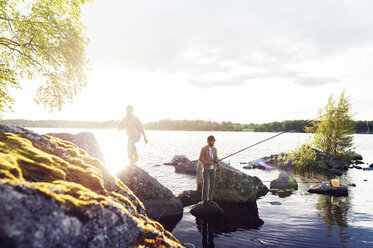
298, 220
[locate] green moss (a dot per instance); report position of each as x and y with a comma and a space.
70, 176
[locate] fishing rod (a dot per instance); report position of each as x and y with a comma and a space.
274, 136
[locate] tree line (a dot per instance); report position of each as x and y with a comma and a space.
186, 125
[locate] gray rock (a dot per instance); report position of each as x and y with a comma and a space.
158, 200
31, 219
371, 166
189, 197
180, 159
189, 167
284, 181
201, 210
85, 140
232, 185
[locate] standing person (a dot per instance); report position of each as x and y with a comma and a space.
134, 129
209, 160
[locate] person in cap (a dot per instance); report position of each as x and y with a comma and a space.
134, 128
209, 160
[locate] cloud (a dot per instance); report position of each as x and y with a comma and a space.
220, 43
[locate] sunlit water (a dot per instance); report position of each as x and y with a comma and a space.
301, 219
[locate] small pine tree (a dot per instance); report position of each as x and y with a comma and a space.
334, 132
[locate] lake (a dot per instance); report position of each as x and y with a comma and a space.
298, 220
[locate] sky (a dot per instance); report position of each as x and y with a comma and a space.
240, 61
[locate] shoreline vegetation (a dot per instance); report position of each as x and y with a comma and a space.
298, 126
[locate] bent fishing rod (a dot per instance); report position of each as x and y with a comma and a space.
274, 136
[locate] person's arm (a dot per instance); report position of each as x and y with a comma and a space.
216, 157
141, 128
121, 125
145, 139
202, 158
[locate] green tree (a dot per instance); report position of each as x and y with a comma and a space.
334, 132
42, 40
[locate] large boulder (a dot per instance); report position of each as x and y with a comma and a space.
85, 140
232, 185
284, 181
159, 201
53, 194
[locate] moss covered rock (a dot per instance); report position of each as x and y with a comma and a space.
53, 194
85, 140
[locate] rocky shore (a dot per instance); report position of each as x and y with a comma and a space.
324, 164
53, 194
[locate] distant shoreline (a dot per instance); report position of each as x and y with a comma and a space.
361, 127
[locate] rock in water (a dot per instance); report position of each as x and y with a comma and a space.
206, 210
232, 185
85, 140
326, 189
189, 168
189, 197
284, 181
53, 194
158, 200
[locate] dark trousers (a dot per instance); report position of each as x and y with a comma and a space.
208, 184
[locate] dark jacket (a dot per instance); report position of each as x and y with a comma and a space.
205, 159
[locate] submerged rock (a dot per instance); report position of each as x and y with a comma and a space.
53, 194
284, 181
159, 201
189, 197
232, 185
85, 140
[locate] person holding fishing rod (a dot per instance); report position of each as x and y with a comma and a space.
209, 160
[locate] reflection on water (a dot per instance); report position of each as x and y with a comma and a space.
235, 217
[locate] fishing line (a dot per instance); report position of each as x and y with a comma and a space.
274, 136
